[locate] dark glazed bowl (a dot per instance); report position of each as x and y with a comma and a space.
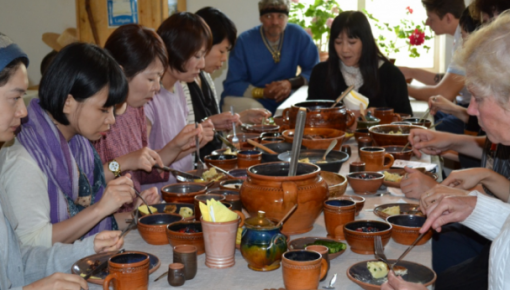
182, 192
335, 159
225, 162
363, 242
176, 238
152, 227
406, 228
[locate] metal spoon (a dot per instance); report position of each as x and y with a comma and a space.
139, 195
331, 283
330, 147
235, 139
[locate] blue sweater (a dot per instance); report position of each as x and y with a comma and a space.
251, 62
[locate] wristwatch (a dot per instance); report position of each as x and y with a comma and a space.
114, 167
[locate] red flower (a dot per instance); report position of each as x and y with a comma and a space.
409, 10
417, 37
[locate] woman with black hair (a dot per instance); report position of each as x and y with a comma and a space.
66, 192
355, 59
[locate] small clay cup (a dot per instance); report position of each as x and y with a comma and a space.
386, 115
225, 162
338, 212
203, 198
361, 133
359, 200
356, 166
303, 269
375, 158
267, 140
129, 270
247, 158
346, 149
176, 276
364, 142
324, 251
186, 255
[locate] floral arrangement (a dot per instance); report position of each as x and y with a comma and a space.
315, 18
413, 33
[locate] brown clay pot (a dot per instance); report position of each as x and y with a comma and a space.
247, 158
129, 270
386, 115
176, 238
182, 192
186, 255
397, 153
380, 134
327, 134
303, 269
319, 114
152, 227
406, 229
338, 212
363, 242
225, 162
270, 189
176, 275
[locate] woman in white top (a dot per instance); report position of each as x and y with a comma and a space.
486, 59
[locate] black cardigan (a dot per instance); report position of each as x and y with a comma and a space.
392, 88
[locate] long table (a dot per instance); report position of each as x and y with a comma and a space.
241, 277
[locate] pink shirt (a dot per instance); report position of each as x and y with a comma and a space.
168, 112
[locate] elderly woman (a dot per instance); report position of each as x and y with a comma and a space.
354, 59
27, 267
486, 59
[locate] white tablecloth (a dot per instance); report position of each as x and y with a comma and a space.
241, 277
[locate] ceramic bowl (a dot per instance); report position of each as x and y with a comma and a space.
278, 148
231, 184
337, 183
418, 122
335, 159
416, 273
402, 172
371, 121
178, 238
258, 128
397, 152
382, 137
225, 162
302, 243
182, 192
243, 139
152, 227
363, 242
171, 207
359, 200
317, 138
406, 228
238, 173
221, 152
405, 208
361, 185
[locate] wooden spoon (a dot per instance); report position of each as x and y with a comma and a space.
362, 112
345, 93
286, 216
258, 145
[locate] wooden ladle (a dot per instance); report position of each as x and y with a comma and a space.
258, 145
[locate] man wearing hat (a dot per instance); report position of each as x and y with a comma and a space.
263, 64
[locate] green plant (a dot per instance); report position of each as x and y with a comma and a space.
414, 34
315, 18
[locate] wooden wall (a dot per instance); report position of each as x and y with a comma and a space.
150, 13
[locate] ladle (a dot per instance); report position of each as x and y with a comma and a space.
345, 93
258, 145
286, 216
330, 147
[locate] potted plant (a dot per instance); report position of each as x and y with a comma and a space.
390, 39
316, 19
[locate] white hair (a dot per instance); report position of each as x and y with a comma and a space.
486, 59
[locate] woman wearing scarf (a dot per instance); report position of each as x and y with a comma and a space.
53, 177
354, 59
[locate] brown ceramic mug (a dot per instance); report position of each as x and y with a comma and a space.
356, 166
386, 115
186, 255
375, 158
324, 251
129, 270
176, 276
338, 212
247, 158
303, 269
364, 142
203, 198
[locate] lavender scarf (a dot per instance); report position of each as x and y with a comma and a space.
60, 160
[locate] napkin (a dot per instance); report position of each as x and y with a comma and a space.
215, 211
353, 99
395, 191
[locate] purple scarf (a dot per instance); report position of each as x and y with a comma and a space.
59, 160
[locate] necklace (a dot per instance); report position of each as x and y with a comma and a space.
275, 53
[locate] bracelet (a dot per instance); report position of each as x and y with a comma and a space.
297, 82
204, 119
257, 93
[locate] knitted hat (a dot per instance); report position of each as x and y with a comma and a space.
9, 51
274, 6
